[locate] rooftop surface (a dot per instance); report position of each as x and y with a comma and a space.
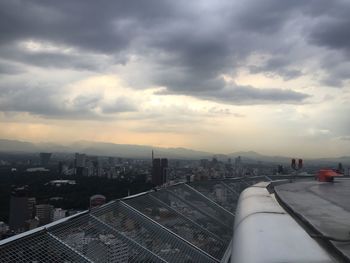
194, 222
324, 210
186, 222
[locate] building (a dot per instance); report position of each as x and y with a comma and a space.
97, 200
37, 169
3, 228
44, 213
21, 209
62, 168
58, 213
44, 159
80, 163
32, 223
58, 183
159, 171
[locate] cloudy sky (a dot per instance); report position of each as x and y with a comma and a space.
266, 75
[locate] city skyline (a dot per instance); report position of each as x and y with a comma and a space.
218, 76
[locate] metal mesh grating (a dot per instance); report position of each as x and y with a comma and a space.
149, 234
203, 203
218, 191
39, 247
100, 243
193, 212
179, 224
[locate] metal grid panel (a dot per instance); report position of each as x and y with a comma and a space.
179, 224
100, 243
149, 234
219, 192
193, 212
236, 184
203, 203
182, 223
39, 247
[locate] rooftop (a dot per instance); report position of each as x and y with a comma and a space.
184, 222
188, 222
323, 209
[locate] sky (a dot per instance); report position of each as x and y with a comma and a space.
222, 76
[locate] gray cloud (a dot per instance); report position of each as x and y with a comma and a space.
337, 70
50, 102
8, 68
332, 29
52, 59
191, 44
277, 66
231, 93
121, 104
241, 95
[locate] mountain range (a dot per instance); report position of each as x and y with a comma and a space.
144, 151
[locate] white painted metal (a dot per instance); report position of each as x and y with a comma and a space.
265, 233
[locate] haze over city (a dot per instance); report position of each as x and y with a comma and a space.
218, 76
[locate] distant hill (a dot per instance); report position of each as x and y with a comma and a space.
144, 151
17, 146
101, 148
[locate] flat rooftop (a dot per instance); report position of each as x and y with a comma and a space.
323, 209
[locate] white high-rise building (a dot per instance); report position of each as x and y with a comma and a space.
59, 213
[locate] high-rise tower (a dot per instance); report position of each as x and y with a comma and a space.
159, 171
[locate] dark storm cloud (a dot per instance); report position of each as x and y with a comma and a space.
245, 95
321, 23
337, 70
107, 26
278, 66
332, 33
191, 44
332, 29
265, 17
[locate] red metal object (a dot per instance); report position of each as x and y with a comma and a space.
300, 163
327, 175
293, 164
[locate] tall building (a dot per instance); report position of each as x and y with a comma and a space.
45, 213
44, 159
159, 171
21, 209
164, 169
79, 163
63, 168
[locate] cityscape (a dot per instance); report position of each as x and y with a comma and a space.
174, 131
28, 206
